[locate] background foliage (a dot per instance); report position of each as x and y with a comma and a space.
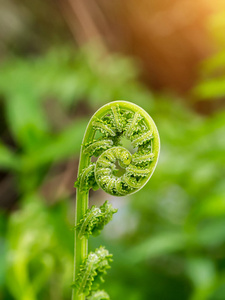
168, 239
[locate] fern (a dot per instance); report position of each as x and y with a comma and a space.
103, 139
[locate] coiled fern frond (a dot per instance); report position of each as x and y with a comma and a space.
117, 171
121, 120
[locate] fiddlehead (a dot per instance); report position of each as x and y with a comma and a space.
118, 171
113, 122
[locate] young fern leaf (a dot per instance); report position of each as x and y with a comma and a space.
86, 225
116, 171
86, 180
140, 140
104, 218
99, 295
92, 270
142, 158
95, 219
103, 127
97, 147
117, 118
132, 125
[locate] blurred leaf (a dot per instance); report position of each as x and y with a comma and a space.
211, 89
26, 119
33, 254
211, 233
156, 246
3, 249
8, 160
201, 271
59, 147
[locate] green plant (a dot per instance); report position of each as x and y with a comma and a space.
117, 172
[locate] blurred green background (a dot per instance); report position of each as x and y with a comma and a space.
59, 62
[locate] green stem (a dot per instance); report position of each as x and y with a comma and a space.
81, 245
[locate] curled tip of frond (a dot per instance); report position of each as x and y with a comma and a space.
95, 219
92, 271
136, 170
117, 171
99, 295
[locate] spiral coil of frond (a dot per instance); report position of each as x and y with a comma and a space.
118, 122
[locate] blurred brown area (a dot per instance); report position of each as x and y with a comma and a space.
168, 38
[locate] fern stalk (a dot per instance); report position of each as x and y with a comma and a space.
82, 197
81, 245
